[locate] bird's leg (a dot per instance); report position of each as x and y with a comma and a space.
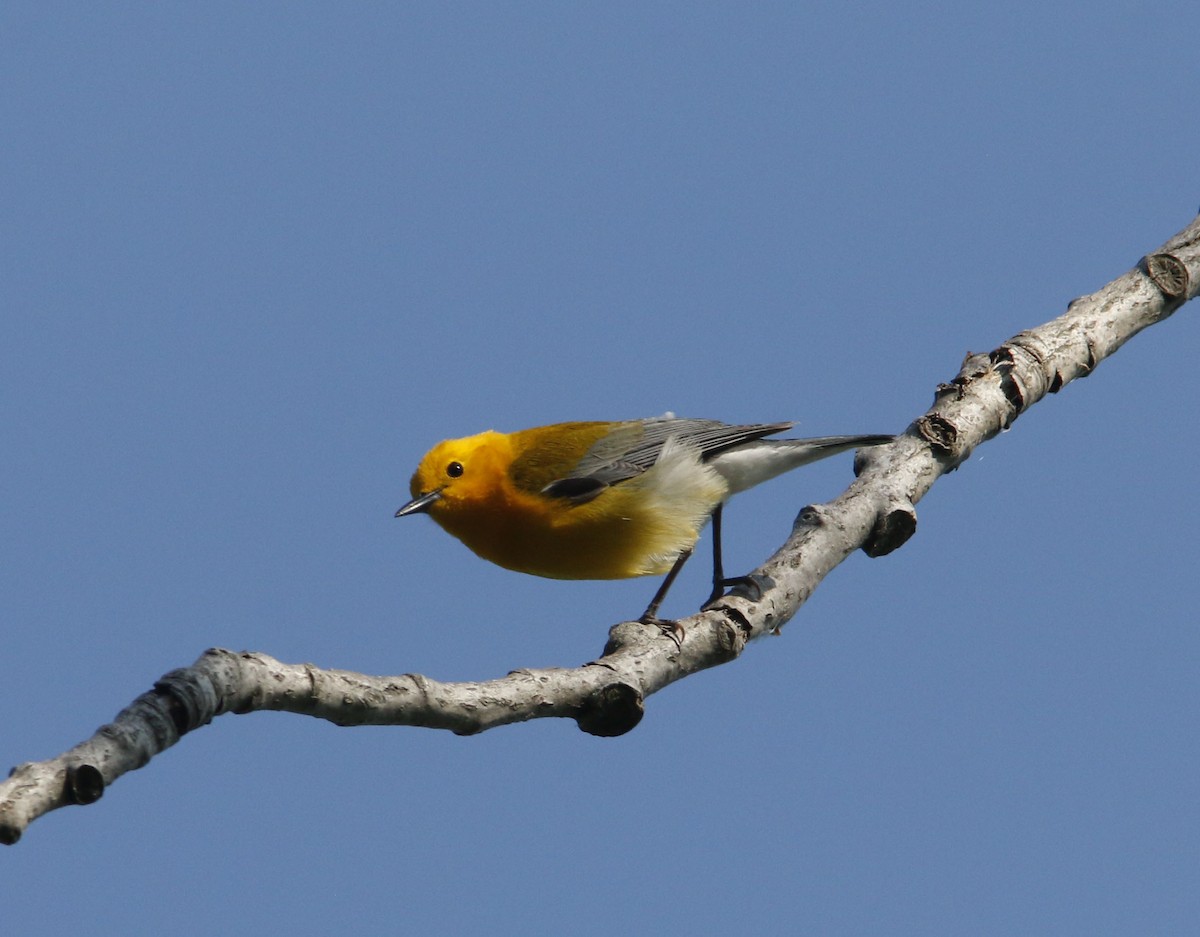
650, 615
720, 583
718, 578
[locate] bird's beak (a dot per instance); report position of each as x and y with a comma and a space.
420, 504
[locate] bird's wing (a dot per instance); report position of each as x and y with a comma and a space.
631, 448
709, 436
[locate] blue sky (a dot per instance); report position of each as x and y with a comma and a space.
256, 259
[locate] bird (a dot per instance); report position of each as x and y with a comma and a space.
605, 500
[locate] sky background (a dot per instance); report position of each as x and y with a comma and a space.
257, 258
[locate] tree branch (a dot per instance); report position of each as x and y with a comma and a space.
605, 697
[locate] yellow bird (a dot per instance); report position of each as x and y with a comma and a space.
602, 500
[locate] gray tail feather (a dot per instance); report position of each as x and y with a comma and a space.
831, 445
822, 447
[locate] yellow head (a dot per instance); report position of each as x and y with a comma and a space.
459, 472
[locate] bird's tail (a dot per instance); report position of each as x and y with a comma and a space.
755, 462
821, 446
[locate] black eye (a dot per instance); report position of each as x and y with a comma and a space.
454, 469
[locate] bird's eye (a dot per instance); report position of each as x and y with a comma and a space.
454, 469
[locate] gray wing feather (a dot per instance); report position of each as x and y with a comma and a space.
631, 449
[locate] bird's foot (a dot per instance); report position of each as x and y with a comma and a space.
751, 585
670, 628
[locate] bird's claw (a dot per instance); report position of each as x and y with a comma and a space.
752, 586
670, 628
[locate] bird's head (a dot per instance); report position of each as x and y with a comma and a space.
457, 472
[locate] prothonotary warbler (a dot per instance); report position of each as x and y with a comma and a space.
604, 500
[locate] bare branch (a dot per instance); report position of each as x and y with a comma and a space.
606, 696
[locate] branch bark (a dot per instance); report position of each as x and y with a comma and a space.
605, 697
